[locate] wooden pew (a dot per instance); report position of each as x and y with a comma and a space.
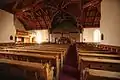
46, 48
96, 63
93, 74
50, 49
88, 47
43, 51
32, 45
97, 47
100, 52
43, 46
46, 45
54, 60
105, 47
100, 56
55, 49
37, 68
56, 45
60, 54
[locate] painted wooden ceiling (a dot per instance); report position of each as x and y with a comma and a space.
41, 14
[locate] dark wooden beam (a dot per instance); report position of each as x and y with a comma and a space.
43, 18
63, 6
95, 16
36, 16
16, 3
93, 3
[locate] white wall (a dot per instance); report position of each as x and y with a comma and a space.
7, 27
88, 34
110, 22
41, 35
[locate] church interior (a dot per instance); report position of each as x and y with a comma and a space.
59, 39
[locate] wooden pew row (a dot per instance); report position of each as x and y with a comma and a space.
54, 49
109, 47
53, 60
55, 45
100, 59
7, 44
98, 63
100, 47
44, 70
88, 47
99, 52
93, 62
18, 45
45, 51
47, 45
36, 47
45, 48
60, 54
105, 47
101, 64
100, 56
93, 74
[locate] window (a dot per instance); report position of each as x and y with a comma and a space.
96, 35
11, 37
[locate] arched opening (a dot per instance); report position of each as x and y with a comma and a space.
96, 36
64, 28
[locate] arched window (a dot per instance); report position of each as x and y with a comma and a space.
11, 37
97, 36
102, 36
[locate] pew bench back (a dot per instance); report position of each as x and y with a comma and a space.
90, 74
44, 70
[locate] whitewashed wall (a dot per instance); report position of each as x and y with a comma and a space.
43, 35
88, 34
7, 27
110, 22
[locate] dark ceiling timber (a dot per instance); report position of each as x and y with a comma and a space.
39, 14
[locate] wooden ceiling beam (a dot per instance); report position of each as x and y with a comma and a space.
44, 19
94, 17
93, 3
28, 7
15, 6
37, 19
55, 10
45, 14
